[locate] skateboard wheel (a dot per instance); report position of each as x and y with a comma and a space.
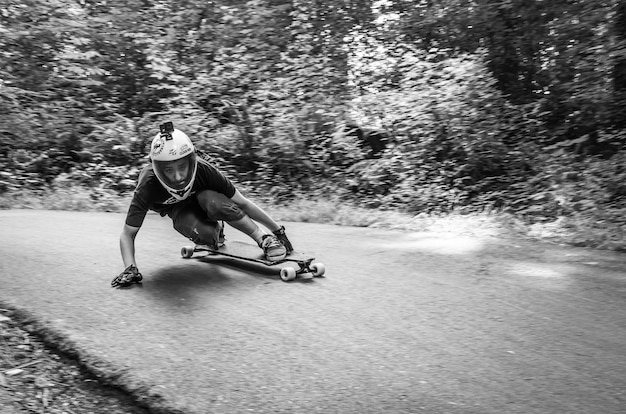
287, 274
186, 252
318, 269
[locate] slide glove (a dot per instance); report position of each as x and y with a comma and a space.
129, 276
282, 237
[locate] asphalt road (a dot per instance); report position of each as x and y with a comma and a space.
402, 322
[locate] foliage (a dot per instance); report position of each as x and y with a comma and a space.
565, 56
470, 102
450, 127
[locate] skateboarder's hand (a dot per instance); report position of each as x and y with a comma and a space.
129, 276
282, 237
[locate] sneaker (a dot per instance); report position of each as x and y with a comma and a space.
215, 244
221, 239
282, 237
273, 248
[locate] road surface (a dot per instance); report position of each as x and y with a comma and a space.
401, 323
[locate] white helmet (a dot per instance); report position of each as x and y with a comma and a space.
174, 161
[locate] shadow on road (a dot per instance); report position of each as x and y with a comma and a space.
179, 285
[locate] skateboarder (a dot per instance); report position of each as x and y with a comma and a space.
196, 196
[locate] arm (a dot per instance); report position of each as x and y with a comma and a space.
127, 244
131, 274
255, 212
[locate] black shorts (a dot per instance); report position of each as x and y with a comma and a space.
197, 217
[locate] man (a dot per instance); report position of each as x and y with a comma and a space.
196, 196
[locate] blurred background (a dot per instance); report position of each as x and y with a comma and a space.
342, 112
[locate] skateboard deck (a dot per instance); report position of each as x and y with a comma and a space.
247, 252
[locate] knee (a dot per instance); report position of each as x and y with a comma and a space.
219, 207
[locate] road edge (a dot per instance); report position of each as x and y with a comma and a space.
107, 374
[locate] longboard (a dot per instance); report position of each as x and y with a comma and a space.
307, 269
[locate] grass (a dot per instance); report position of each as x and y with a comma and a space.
586, 231
73, 198
335, 212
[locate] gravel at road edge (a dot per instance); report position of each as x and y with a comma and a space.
39, 373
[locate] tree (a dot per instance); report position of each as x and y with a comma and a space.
619, 67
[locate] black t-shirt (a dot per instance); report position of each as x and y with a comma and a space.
151, 195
